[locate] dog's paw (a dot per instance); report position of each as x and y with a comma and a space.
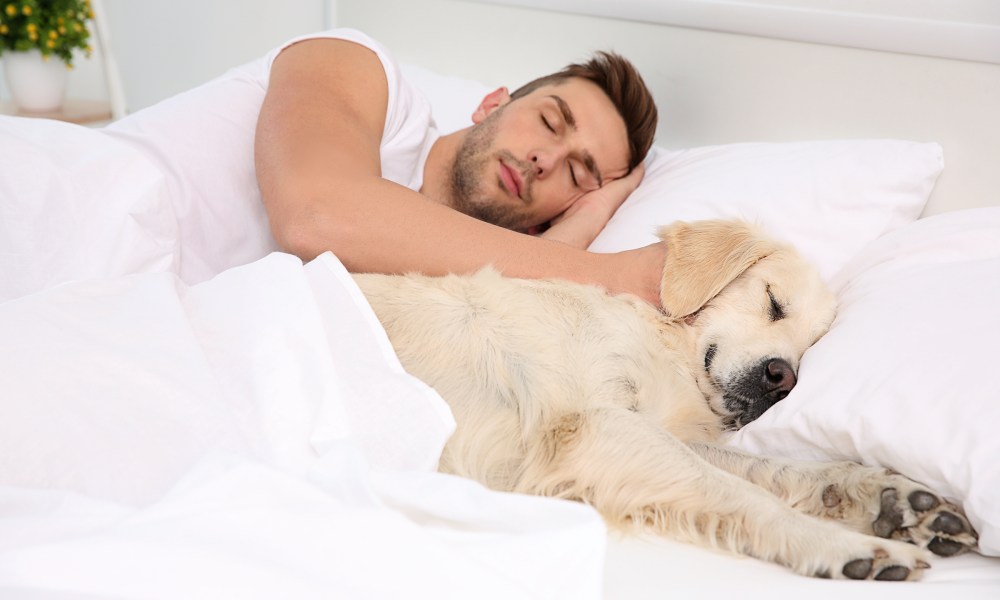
909, 513
884, 566
890, 506
868, 558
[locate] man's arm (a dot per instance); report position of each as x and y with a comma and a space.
317, 160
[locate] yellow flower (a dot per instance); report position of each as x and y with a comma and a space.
26, 10
53, 35
11, 10
51, 43
77, 28
62, 30
32, 28
3, 30
32, 36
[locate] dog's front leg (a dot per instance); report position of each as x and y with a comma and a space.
639, 476
870, 500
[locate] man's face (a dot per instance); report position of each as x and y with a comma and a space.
528, 160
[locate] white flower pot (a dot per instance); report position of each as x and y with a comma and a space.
36, 85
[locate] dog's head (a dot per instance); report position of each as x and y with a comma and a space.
750, 307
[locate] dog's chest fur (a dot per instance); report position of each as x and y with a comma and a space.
512, 356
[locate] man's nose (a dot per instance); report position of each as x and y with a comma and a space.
545, 160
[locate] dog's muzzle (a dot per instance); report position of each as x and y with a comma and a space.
758, 389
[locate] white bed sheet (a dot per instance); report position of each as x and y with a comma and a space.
252, 436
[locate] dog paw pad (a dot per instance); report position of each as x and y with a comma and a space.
949, 523
946, 547
923, 501
890, 517
831, 497
896, 573
858, 569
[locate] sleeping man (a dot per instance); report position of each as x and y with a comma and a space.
346, 157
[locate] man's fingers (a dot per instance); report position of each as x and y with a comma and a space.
607, 198
615, 192
635, 177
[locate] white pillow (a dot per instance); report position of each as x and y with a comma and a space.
453, 99
906, 377
828, 198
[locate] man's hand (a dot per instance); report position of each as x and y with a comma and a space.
582, 221
641, 271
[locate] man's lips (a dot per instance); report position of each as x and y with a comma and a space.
511, 179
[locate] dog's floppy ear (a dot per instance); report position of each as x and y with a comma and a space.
703, 257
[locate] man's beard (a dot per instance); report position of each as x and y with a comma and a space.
468, 190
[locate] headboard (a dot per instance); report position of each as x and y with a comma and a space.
739, 71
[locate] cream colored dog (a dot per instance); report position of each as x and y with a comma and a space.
561, 390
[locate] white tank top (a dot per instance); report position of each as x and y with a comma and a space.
203, 140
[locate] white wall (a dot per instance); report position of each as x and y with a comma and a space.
960, 29
163, 47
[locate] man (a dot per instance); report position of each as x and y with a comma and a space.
558, 153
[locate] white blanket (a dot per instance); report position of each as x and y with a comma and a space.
252, 436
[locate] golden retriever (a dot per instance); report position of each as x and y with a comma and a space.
561, 389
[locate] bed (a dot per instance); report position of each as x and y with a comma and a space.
252, 434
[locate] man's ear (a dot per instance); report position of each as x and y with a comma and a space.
490, 103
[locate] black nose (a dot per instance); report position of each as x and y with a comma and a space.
778, 379
757, 389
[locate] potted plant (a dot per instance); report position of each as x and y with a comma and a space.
37, 42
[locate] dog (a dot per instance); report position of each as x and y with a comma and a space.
560, 389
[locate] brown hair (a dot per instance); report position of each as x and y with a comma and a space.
622, 83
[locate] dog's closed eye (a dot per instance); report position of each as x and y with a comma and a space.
775, 311
710, 356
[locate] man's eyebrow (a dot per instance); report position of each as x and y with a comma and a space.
588, 159
567, 114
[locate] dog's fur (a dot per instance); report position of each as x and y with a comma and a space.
562, 390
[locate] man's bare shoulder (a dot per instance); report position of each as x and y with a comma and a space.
318, 78
326, 64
